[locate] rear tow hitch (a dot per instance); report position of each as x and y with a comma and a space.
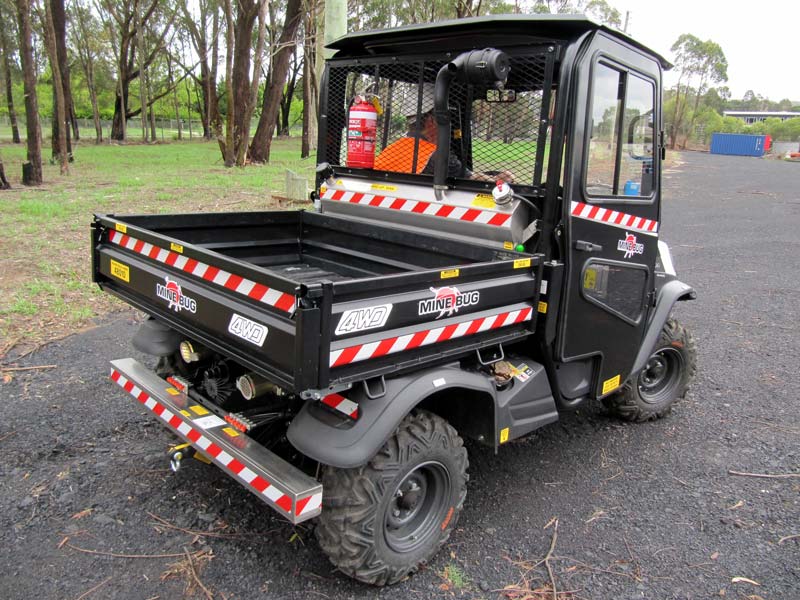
178, 453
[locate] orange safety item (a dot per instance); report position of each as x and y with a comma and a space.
361, 129
399, 156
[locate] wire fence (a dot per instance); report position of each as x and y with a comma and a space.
166, 129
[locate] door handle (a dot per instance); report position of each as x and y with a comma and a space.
587, 246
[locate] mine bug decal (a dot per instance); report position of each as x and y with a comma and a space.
361, 319
172, 293
629, 245
447, 301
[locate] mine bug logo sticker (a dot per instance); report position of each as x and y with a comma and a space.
361, 319
447, 301
629, 245
172, 293
248, 330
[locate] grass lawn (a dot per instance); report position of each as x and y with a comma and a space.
45, 286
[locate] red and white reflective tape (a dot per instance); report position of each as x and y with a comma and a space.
225, 460
246, 287
352, 354
431, 209
342, 404
613, 217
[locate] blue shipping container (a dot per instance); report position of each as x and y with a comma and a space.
737, 144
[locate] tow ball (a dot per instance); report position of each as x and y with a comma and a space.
181, 451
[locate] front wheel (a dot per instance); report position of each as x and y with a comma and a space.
664, 379
380, 522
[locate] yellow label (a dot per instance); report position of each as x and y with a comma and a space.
186, 413
457, 134
172, 391
120, 271
339, 182
484, 201
521, 263
589, 279
384, 187
176, 247
322, 190
120, 227
611, 384
449, 273
508, 245
543, 307
504, 435
230, 431
198, 410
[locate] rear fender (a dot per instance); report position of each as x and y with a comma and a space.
323, 436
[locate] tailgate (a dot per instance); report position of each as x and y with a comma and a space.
243, 313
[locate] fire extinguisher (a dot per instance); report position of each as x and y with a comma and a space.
361, 129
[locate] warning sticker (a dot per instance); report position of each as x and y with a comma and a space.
522, 263
611, 384
384, 187
176, 247
208, 422
484, 201
121, 228
120, 271
543, 307
504, 435
449, 273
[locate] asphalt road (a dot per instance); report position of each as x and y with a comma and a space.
644, 511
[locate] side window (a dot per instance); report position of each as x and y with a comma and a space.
620, 151
616, 287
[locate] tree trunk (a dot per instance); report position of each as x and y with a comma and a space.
61, 145
58, 16
262, 140
309, 142
142, 71
98, 127
4, 185
5, 48
32, 169
175, 100
226, 145
247, 110
288, 96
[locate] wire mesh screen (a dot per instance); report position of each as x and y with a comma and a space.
492, 131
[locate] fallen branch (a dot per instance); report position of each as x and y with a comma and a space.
8, 435
118, 555
786, 538
162, 522
549, 554
88, 592
193, 573
764, 475
36, 368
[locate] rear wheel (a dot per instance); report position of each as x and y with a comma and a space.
380, 522
664, 379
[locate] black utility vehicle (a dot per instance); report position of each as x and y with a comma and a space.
506, 268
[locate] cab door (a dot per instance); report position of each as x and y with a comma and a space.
611, 211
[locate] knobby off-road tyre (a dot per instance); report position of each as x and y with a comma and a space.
383, 520
665, 378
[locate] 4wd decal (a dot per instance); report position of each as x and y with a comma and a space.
361, 319
172, 293
629, 245
248, 330
447, 301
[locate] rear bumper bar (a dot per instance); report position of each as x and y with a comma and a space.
292, 493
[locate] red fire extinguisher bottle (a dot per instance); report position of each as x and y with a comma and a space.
361, 129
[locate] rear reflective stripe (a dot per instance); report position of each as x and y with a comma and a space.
604, 215
220, 277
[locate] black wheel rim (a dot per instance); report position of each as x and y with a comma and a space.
417, 507
661, 376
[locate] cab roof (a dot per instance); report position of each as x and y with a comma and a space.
491, 30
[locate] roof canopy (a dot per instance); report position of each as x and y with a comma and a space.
492, 30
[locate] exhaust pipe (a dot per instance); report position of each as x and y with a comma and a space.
251, 386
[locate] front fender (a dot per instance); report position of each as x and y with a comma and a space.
669, 293
324, 438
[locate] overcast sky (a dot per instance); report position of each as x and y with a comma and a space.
761, 40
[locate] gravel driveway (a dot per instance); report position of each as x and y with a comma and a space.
644, 511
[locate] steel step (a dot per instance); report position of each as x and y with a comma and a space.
292, 493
